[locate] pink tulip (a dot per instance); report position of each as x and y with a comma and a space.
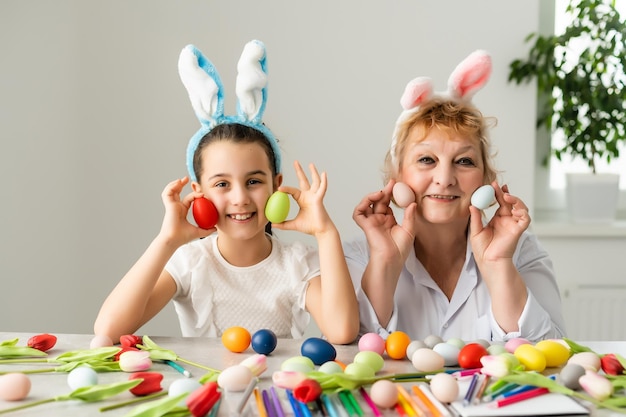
500, 365
135, 361
288, 379
596, 385
257, 363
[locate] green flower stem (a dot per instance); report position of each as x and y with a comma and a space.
29, 371
133, 401
197, 365
23, 406
24, 360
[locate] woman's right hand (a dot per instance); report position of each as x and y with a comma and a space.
384, 235
176, 229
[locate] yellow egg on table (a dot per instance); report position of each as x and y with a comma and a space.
556, 353
532, 358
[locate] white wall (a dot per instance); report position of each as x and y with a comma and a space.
94, 120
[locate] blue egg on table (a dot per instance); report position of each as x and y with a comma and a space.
318, 350
264, 341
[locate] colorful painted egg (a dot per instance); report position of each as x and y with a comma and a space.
318, 350
204, 213
371, 359
277, 207
264, 341
236, 339
372, 342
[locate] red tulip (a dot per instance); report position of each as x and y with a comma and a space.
203, 399
307, 391
151, 383
611, 365
42, 342
130, 340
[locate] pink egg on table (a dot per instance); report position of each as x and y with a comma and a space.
372, 342
514, 343
384, 393
14, 386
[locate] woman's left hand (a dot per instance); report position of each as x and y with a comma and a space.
312, 218
498, 239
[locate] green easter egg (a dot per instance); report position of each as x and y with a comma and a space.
359, 370
277, 207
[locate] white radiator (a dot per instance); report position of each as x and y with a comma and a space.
595, 312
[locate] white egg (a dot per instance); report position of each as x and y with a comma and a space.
444, 387
180, 386
413, 346
449, 352
483, 197
235, 378
14, 386
402, 194
82, 376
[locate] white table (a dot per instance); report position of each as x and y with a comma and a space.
205, 351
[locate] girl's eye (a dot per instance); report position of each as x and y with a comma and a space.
221, 184
253, 181
465, 161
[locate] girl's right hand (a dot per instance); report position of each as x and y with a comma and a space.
176, 228
384, 235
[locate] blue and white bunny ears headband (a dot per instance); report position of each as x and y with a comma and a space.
206, 94
466, 79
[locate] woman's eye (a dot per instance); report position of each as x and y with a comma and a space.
466, 161
426, 160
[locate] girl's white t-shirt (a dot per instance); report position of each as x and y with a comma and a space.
213, 295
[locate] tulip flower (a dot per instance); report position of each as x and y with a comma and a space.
122, 350
134, 361
500, 365
203, 399
130, 340
596, 385
42, 342
287, 379
257, 364
307, 391
151, 383
611, 365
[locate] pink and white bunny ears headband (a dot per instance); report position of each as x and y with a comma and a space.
466, 79
206, 94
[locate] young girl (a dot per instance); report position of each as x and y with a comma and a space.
443, 271
240, 275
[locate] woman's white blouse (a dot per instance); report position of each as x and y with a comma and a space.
422, 309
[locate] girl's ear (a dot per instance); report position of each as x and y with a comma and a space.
278, 181
195, 186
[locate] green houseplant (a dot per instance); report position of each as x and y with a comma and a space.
581, 80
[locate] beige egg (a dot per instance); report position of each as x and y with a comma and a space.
235, 378
14, 386
427, 360
588, 360
402, 194
384, 393
444, 387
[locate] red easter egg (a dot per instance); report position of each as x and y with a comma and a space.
204, 213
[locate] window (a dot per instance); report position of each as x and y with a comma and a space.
550, 181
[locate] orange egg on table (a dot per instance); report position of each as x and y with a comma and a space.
396, 344
236, 339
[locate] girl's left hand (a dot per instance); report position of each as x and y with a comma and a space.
312, 218
498, 239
